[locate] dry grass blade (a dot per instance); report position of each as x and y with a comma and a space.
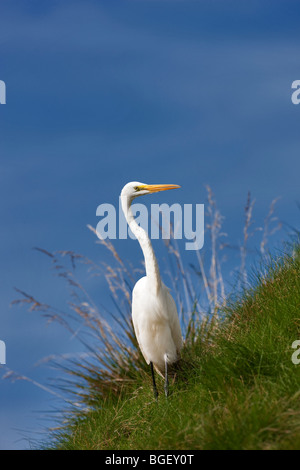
269, 219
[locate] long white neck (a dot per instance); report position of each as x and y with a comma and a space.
151, 265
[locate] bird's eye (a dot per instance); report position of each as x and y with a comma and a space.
137, 188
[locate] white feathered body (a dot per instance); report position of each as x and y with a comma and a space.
156, 324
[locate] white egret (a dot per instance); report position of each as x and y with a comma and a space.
154, 313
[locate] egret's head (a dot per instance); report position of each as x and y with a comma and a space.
134, 189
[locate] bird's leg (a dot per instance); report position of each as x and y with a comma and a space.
153, 381
166, 378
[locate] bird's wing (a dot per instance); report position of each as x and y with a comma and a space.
136, 330
137, 308
174, 322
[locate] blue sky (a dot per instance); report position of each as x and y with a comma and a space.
102, 93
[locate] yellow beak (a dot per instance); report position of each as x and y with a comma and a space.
154, 188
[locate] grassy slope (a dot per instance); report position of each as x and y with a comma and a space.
239, 389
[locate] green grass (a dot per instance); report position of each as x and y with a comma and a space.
238, 387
